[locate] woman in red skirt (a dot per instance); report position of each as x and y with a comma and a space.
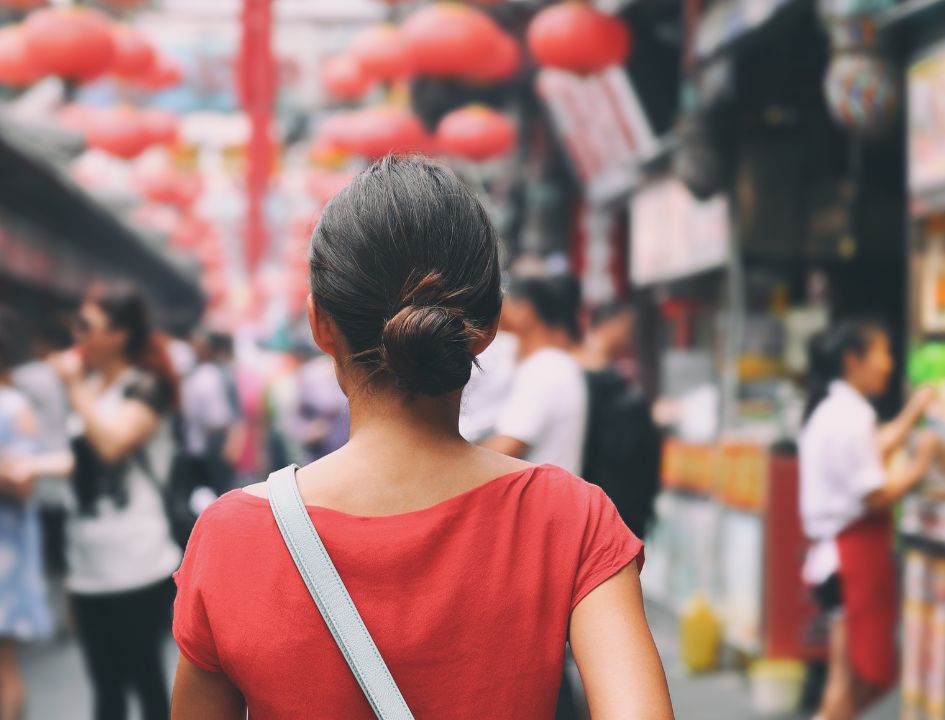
846, 495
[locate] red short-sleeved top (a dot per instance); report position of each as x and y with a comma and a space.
468, 600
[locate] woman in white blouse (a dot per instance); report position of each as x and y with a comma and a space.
847, 490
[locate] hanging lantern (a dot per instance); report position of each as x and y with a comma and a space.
74, 43
165, 73
16, 69
169, 187
115, 131
344, 78
504, 63
576, 37
449, 39
162, 127
134, 54
382, 53
374, 132
22, 5
476, 133
862, 93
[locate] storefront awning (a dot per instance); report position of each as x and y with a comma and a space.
63, 225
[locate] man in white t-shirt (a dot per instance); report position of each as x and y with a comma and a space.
544, 416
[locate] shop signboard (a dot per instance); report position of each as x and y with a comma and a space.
674, 235
926, 88
601, 126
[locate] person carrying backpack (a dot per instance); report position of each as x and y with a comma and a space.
623, 445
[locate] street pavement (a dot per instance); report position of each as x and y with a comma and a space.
58, 689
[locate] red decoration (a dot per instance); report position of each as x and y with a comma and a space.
169, 187
382, 53
134, 54
161, 126
165, 73
22, 4
344, 78
377, 131
16, 69
476, 133
323, 185
116, 131
576, 37
503, 63
449, 39
75, 43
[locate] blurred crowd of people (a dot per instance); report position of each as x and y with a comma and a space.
114, 437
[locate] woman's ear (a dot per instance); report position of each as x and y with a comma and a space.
324, 330
488, 335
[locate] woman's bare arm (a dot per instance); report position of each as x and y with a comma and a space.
203, 695
116, 434
614, 650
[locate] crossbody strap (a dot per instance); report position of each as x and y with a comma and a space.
332, 598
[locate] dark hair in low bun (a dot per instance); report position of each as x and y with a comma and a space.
405, 261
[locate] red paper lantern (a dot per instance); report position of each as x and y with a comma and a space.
134, 54
503, 63
382, 53
165, 73
16, 69
449, 39
574, 36
344, 78
476, 133
75, 43
161, 126
115, 131
377, 131
168, 187
22, 4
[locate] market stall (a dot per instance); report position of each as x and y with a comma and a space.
919, 34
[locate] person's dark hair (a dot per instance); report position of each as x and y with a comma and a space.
826, 351
145, 348
405, 260
610, 310
556, 299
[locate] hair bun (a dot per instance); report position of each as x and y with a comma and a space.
426, 349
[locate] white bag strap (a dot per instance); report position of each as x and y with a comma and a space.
332, 598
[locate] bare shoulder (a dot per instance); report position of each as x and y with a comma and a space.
495, 464
257, 489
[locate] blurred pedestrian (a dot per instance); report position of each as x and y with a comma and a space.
623, 446
37, 379
24, 612
847, 491
123, 391
544, 414
322, 422
488, 387
208, 413
469, 567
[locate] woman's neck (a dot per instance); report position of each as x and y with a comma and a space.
379, 418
